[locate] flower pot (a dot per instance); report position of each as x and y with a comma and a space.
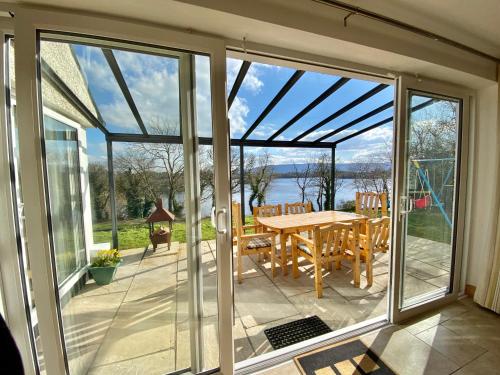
103, 275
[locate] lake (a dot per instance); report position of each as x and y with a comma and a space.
286, 190
283, 190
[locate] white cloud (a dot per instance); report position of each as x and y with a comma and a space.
237, 116
382, 133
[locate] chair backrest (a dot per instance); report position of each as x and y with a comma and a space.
336, 238
369, 203
236, 221
298, 208
265, 211
377, 234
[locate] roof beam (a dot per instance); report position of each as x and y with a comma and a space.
237, 83
356, 121
66, 92
383, 122
329, 91
176, 139
115, 68
286, 87
342, 110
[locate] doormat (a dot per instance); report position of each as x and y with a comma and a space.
296, 331
352, 358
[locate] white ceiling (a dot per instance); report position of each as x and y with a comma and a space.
473, 23
447, 17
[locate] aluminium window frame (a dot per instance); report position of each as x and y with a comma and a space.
28, 22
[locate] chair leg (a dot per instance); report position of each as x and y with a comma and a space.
369, 269
356, 270
338, 265
273, 258
318, 281
295, 260
240, 267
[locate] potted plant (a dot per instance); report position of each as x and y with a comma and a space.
104, 265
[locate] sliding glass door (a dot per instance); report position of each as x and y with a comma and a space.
131, 153
431, 165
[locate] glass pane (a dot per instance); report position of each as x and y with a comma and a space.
63, 174
432, 138
153, 82
19, 208
141, 318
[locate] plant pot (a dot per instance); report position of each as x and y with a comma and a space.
103, 275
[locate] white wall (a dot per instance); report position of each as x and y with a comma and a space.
484, 181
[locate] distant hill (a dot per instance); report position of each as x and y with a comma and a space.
339, 167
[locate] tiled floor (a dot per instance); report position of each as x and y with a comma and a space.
262, 302
461, 339
139, 323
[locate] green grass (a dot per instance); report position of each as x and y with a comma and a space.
135, 233
428, 224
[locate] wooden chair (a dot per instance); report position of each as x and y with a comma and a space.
252, 244
248, 227
375, 240
329, 244
368, 203
298, 208
266, 211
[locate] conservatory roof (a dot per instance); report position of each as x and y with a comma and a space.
283, 107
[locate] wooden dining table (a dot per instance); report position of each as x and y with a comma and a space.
285, 225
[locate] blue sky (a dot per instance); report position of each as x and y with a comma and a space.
154, 85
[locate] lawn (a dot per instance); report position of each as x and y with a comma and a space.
135, 233
427, 224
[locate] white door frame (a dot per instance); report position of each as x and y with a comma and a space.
435, 88
14, 294
28, 21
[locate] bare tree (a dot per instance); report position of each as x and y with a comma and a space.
167, 159
303, 178
259, 174
323, 181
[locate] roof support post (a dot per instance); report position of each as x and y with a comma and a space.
112, 201
332, 177
242, 184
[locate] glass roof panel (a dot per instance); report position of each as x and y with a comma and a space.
343, 96
262, 82
153, 82
105, 90
376, 101
232, 68
305, 90
203, 96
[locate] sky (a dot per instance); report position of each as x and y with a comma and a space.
154, 85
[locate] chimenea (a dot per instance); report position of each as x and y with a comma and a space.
161, 234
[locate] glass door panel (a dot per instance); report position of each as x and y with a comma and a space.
429, 196
130, 166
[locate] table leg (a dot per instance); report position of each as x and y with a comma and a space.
284, 260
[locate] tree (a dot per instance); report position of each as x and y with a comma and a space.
259, 174
303, 178
159, 166
99, 191
323, 181
207, 180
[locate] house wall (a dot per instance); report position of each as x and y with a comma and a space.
484, 189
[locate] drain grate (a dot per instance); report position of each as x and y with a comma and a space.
296, 331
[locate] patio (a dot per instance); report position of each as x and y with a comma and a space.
140, 322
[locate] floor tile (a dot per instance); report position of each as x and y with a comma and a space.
406, 354
452, 345
259, 301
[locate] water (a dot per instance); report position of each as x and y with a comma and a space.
284, 190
